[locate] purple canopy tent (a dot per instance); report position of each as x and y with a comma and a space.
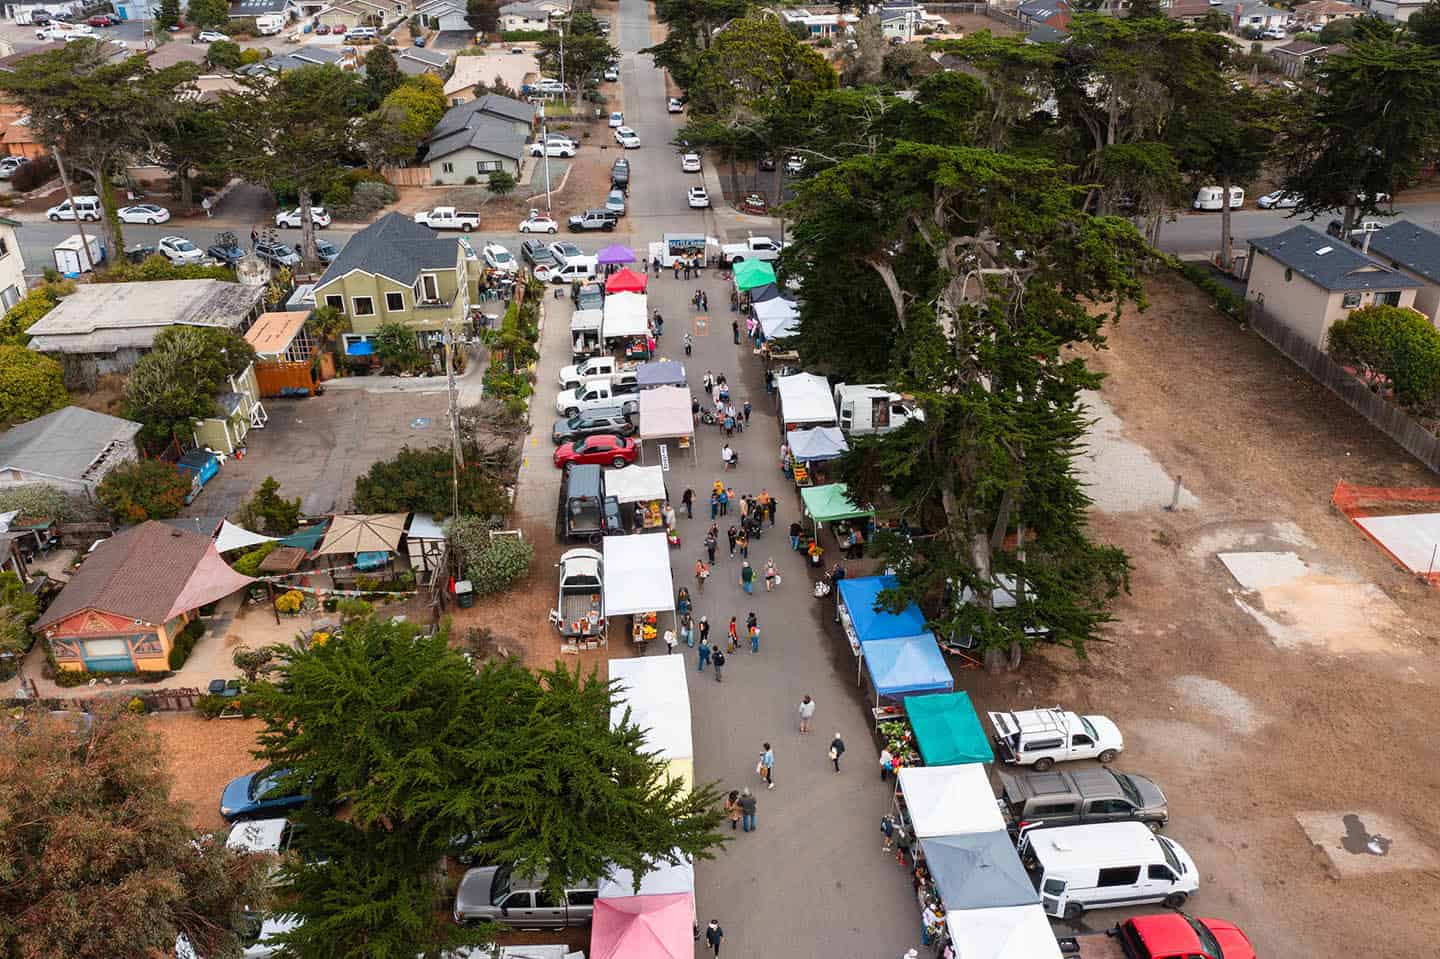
612, 255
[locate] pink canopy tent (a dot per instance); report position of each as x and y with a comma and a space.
212, 579
644, 927
626, 281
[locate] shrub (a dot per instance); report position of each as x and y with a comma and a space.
471, 181
211, 706
185, 643
269, 512
420, 481
1226, 300
290, 602
31, 385
37, 172
523, 36
249, 563
70, 678
351, 608
1396, 343
224, 53
156, 267
39, 301
502, 564
501, 182
41, 502
253, 662
144, 489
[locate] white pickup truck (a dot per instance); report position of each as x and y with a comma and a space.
1043, 737
754, 248
448, 218
580, 609
605, 368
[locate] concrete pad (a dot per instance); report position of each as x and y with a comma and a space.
1261, 569
1121, 476
1413, 538
1365, 843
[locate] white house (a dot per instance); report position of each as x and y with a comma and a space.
444, 15
12, 265
523, 16
1396, 11
1258, 16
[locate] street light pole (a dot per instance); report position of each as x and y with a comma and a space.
545, 153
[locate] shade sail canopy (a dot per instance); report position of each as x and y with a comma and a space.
908, 664
615, 254
307, 538
752, 273
665, 413
237, 537
637, 576
644, 927
831, 502
660, 373
364, 533
817, 444
653, 689
636, 484
805, 398
1016, 932
859, 595
625, 281
978, 871
947, 730
626, 314
665, 879
212, 579
950, 800
778, 317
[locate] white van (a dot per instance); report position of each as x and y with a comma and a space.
872, 408
84, 208
1104, 865
581, 268
1208, 198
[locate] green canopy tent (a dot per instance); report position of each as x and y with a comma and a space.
831, 502
750, 274
947, 730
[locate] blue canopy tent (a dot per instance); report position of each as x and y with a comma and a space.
856, 610
905, 665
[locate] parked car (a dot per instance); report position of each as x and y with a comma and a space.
143, 213
1106, 865
611, 74
565, 250
179, 250
291, 218
617, 119
538, 222
419, 41
211, 36
258, 794
615, 202
627, 138
1274, 33
326, 251
1209, 198
593, 220
139, 252
227, 254
698, 198
690, 163
620, 173
795, 165
554, 148
616, 420
674, 105
103, 20
767, 162
493, 894
322, 30
753, 203
1278, 200
1043, 737
537, 254
601, 449
499, 258
277, 254
82, 208
9, 166
1075, 796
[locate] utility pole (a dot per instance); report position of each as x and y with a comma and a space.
457, 456
79, 223
545, 153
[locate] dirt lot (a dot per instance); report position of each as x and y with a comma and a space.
1247, 734
964, 24
205, 755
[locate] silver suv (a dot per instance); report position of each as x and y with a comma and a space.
493, 894
1078, 796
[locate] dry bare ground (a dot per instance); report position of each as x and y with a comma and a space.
203, 756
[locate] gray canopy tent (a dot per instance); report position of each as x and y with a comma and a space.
978, 871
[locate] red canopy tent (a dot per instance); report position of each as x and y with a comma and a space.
644, 927
626, 281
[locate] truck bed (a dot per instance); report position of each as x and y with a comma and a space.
576, 606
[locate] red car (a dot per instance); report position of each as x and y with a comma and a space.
1178, 936
602, 448
103, 20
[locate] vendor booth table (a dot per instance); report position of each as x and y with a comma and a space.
664, 415
625, 281
625, 315
947, 801
638, 585
778, 317
1007, 932
751, 274
941, 729
900, 653
831, 503
643, 486
805, 400
811, 448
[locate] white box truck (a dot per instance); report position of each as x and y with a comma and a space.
75, 255
269, 24
872, 408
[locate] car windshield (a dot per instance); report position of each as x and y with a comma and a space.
501, 256
500, 886
1127, 786
1208, 943
184, 246
262, 783
1174, 862
1090, 728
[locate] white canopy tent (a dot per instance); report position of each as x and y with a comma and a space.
653, 689
1008, 932
805, 400
636, 484
817, 444
637, 577
950, 800
237, 537
778, 317
626, 314
664, 879
665, 414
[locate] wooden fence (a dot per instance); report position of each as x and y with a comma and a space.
1377, 410
407, 175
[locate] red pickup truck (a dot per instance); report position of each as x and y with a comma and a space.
1170, 935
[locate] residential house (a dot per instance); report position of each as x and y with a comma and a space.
899, 20
106, 327
130, 599
515, 17
1308, 280
1252, 15
1046, 34
479, 137
237, 411
819, 22
1317, 13
1396, 11
414, 61
136, 9
396, 271
446, 16
12, 265
355, 13
1048, 13
71, 449
169, 54
244, 9
473, 75
310, 55
1190, 11
1294, 59
1414, 251
284, 354
26, 11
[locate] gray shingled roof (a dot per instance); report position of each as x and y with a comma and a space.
394, 246
64, 444
487, 133
1330, 263
1409, 245
459, 117
253, 8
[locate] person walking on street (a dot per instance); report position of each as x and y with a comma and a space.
718, 658
735, 331
767, 766
704, 654
705, 630
745, 412
687, 630
743, 541
687, 499
714, 935
796, 530
689, 345
724, 502
734, 636
747, 810
771, 574
702, 572
669, 641
714, 505
837, 749
710, 545
751, 619
886, 761
771, 504
708, 381
807, 712
747, 577
754, 638
732, 809
676, 263
669, 513
731, 534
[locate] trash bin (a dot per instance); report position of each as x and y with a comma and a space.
464, 594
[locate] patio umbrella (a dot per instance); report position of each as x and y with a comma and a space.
626, 281
752, 273
615, 254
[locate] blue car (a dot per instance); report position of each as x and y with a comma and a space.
254, 794
419, 41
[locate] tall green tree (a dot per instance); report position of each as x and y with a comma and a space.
587, 53
144, 489
86, 816
1141, 179
1225, 139
483, 15
406, 117
1018, 77
382, 73
177, 382
690, 29
31, 385
188, 134
208, 13
426, 749
167, 14
1424, 25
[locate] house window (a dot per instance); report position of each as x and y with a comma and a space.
429, 288
4, 247
364, 305
447, 168
1351, 301
1392, 298
394, 302
487, 166
335, 302
1289, 274
9, 296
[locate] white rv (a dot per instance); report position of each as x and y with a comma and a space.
872, 408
